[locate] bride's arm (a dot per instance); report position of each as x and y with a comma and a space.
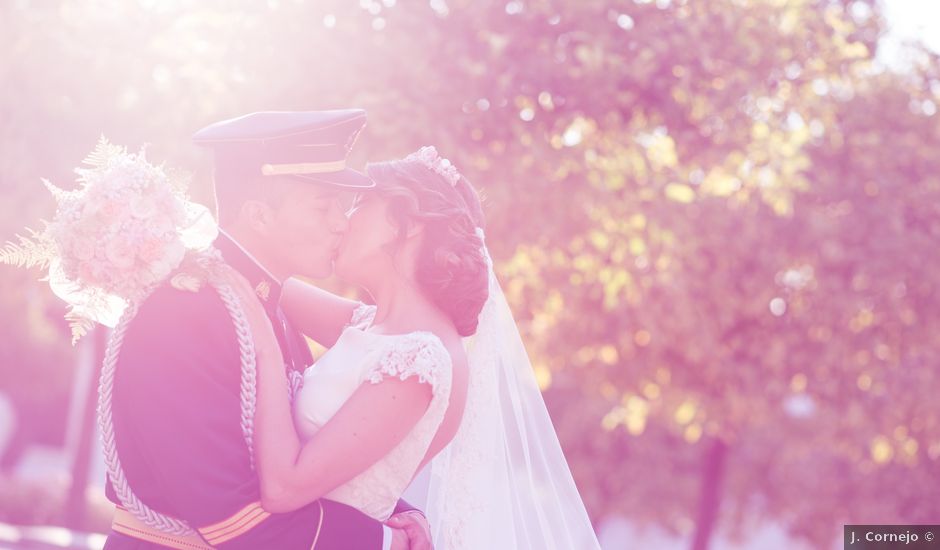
319, 314
367, 427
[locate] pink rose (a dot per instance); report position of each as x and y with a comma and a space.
120, 253
150, 250
81, 249
93, 273
85, 273
109, 209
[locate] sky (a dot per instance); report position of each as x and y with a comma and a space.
909, 20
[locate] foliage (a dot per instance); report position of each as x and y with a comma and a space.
714, 220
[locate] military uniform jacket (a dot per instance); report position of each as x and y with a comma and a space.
176, 414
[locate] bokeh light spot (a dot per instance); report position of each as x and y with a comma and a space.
881, 450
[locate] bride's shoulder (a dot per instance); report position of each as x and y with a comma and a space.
422, 354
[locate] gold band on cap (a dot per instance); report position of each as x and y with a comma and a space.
305, 168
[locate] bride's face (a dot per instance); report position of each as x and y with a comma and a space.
368, 244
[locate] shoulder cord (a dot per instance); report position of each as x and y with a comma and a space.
248, 397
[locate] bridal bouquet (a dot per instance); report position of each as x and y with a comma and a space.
124, 230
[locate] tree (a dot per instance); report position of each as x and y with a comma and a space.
713, 219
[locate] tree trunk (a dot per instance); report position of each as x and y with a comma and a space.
713, 469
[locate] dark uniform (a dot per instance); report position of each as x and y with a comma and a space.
176, 398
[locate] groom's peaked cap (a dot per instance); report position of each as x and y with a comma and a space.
308, 145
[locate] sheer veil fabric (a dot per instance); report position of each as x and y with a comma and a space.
503, 482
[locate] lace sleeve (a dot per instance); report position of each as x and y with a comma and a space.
420, 354
295, 381
362, 316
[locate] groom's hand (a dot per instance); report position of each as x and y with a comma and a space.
399, 540
415, 526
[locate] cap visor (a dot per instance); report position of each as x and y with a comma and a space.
347, 178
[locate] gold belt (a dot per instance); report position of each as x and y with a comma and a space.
237, 524
125, 523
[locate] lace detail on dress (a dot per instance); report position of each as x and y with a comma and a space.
295, 381
420, 354
455, 506
362, 316
362, 357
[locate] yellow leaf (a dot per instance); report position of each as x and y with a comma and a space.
680, 193
798, 382
760, 131
637, 246
638, 221
543, 376
651, 391
662, 152
636, 410
608, 354
881, 450
685, 413
599, 239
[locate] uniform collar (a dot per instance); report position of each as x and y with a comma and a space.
266, 285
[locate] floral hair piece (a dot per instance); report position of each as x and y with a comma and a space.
429, 157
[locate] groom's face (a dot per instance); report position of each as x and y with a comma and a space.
305, 228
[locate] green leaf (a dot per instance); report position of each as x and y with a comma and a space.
104, 150
79, 325
33, 251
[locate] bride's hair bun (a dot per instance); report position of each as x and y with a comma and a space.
451, 268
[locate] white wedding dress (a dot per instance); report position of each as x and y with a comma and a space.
503, 481
358, 357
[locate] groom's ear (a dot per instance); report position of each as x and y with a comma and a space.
257, 215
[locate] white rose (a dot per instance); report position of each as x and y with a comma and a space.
158, 271
124, 194
143, 207
98, 272
174, 253
172, 257
160, 225
147, 277
90, 209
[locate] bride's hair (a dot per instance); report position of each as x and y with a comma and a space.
451, 267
